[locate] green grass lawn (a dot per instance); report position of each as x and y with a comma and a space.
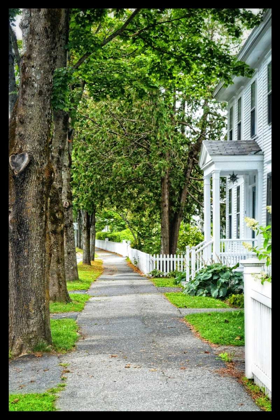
35, 402
225, 328
64, 334
87, 274
165, 282
181, 300
77, 304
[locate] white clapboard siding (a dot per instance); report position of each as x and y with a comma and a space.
263, 138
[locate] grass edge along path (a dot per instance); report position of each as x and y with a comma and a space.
87, 275
77, 304
181, 300
44, 401
222, 328
165, 282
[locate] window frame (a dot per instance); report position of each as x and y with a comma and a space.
239, 118
230, 133
269, 94
253, 118
238, 206
268, 197
230, 213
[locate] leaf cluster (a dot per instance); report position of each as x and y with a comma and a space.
216, 280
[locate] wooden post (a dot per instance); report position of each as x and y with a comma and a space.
187, 263
216, 214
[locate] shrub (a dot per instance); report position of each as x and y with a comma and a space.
180, 277
216, 280
156, 273
237, 300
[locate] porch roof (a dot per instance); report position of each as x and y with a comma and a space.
241, 156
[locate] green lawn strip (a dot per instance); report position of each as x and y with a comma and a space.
35, 402
87, 274
77, 304
64, 334
225, 328
181, 300
165, 282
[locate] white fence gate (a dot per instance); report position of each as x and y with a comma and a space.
258, 315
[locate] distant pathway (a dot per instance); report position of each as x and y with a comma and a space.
137, 354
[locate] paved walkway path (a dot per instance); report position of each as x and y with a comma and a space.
136, 353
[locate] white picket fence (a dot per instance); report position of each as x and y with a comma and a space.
145, 262
258, 316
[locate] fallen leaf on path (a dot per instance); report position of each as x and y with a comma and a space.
183, 368
207, 352
45, 370
153, 370
15, 401
38, 354
127, 366
114, 355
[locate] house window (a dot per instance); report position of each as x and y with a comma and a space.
230, 214
239, 119
230, 123
238, 212
253, 109
269, 94
268, 197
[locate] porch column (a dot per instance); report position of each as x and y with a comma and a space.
207, 217
259, 201
216, 214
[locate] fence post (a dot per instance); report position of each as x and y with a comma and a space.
188, 263
251, 266
193, 263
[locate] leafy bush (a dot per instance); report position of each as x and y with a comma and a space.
216, 280
237, 300
156, 273
180, 277
115, 236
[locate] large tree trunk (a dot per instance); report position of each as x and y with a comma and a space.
92, 236
79, 220
165, 214
29, 183
12, 78
57, 279
71, 269
86, 238
192, 158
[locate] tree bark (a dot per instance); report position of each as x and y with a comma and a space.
192, 158
71, 269
79, 220
165, 214
57, 278
12, 79
29, 183
92, 236
86, 238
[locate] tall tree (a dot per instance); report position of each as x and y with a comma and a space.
29, 182
57, 279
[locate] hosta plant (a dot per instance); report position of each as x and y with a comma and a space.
216, 280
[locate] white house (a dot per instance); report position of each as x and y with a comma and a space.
246, 153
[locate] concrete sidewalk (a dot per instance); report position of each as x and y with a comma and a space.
137, 354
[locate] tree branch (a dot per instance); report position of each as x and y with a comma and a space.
109, 38
158, 23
